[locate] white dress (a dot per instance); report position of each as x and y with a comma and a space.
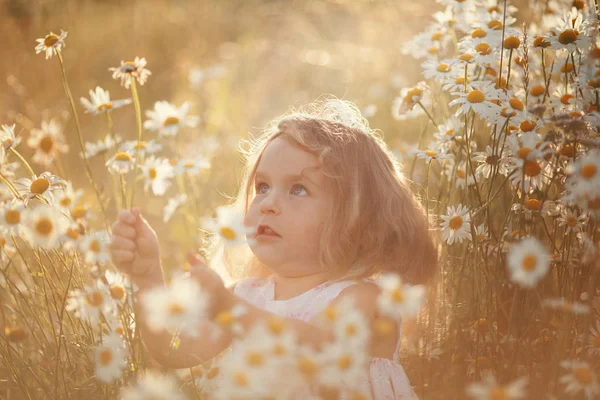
387, 379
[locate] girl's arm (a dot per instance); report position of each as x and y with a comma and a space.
192, 350
365, 295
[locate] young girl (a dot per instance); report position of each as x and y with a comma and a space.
331, 212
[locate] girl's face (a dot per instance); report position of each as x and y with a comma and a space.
293, 200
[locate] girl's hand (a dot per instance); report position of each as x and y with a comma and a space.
134, 245
221, 299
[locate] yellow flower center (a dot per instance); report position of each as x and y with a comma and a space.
78, 212
51, 39
465, 57
224, 318
412, 93
529, 262
383, 327
571, 221
475, 96
568, 36
129, 67
12, 217
65, 201
117, 292
527, 126
481, 325
171, 121
443, 68
583, 375
478, 33
47, 144
104, 107
255, 359
152, 173
188, 164
532, 168
122, 156
331, 313
44, 226
344, 362
212, 373
39, 186
307, 366
566, 98
455, 222
461, 174
516, 104
105, 357
512, 42
537, 90
176, 309
351, 329
483, 49
276, 325
140, 145
431, 153
227, 233
540, 41
437, 36
533, 204
94, 298
495, 24
398, 295
95, 246
523, 152
240, 378
588, 171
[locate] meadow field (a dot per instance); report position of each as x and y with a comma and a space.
491, 107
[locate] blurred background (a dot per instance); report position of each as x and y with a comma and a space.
239, 64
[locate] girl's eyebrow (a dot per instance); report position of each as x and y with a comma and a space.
288, 177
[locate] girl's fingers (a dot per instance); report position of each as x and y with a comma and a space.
122, 256
120, 243
126, 216
124, 230
195, 258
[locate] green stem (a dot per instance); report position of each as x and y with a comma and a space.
138, 120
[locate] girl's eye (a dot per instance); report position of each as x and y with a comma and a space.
299, 192
260, 186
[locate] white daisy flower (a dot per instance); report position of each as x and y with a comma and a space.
152, 385
191, 166
101, 147
343, 366
352, 329
584, 174
580, 377
571, 33
66, 198
403, 106
571, 220
228, 225
167, 119
158, 173
179, 306
489, 161
430, 155
118, 285
128, 69
397, 299
456, 225
594, 340
447, 131
566, 305
111, 358
94, 247
172, 205
440, 71
8, 136
528, 262
51, 44
489, 389
47, 142
120, 163
100, 102
43, 226
479, 100
145, 148
88, 304
11, 217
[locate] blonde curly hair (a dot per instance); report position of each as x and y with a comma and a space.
377, 225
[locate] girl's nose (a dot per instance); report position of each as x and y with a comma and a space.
268, 205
